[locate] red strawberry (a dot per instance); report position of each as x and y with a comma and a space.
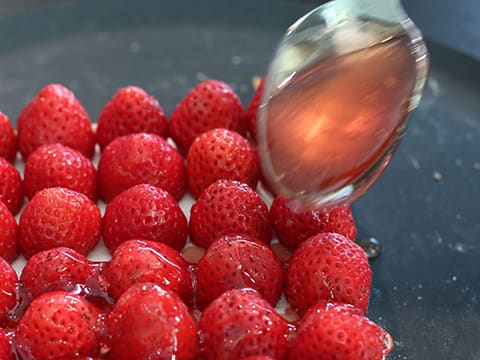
11, 192
57, 269
8, 235
149, 322
131, 110
8, 293
59, 217
334, 332
221, 154
211, 104
8, 139
59, 325
227, 207
240, 323
144, 212
328, 266
55, 115
235, 262
140, 261
6, 351
252, 110
140, 159
294, 224
55, 165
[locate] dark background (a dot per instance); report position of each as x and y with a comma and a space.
426, 284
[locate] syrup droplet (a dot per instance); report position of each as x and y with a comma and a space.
371, 247
193, 254
281, 251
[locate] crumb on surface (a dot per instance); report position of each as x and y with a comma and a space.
437, 176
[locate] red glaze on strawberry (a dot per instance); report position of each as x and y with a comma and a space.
8, 139
236, 262
8, 234
55, 115
140, 261
141, 159
337, 332
221, 154
229, 207
57, 269
144, 212
294, 224
328, 266
55, 165
58, 217
59, 325
131, 110
8, 293
149, 322
252, 110
211, 104
240, 323
11, 192
6, 351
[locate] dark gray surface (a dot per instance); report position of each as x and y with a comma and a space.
426, 283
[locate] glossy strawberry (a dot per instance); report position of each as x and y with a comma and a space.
55, 115
328, 266
140, 261
211, 104
140, 159
229, 207
221, 154
6, 351
240, 323
58, 217
252, 110
235, 262
8, 294
293, 224
8, 139
11, 192
8, 234
55, 165
160, 328
59, 325
131, 110
57, 269
144, 212
333, 331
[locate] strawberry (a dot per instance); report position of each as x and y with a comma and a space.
221, 154
59, 217
328, 266
335, 332
144, 212
235, 262
148, 322
8, 235
11, 192
57, 269
240, 323
8, 139
140, 261
59, 325
131, 110
55, 165
209, 105
140, 159
294, 223
55, 115
6, 351
8, 293
252, 110
227, 207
